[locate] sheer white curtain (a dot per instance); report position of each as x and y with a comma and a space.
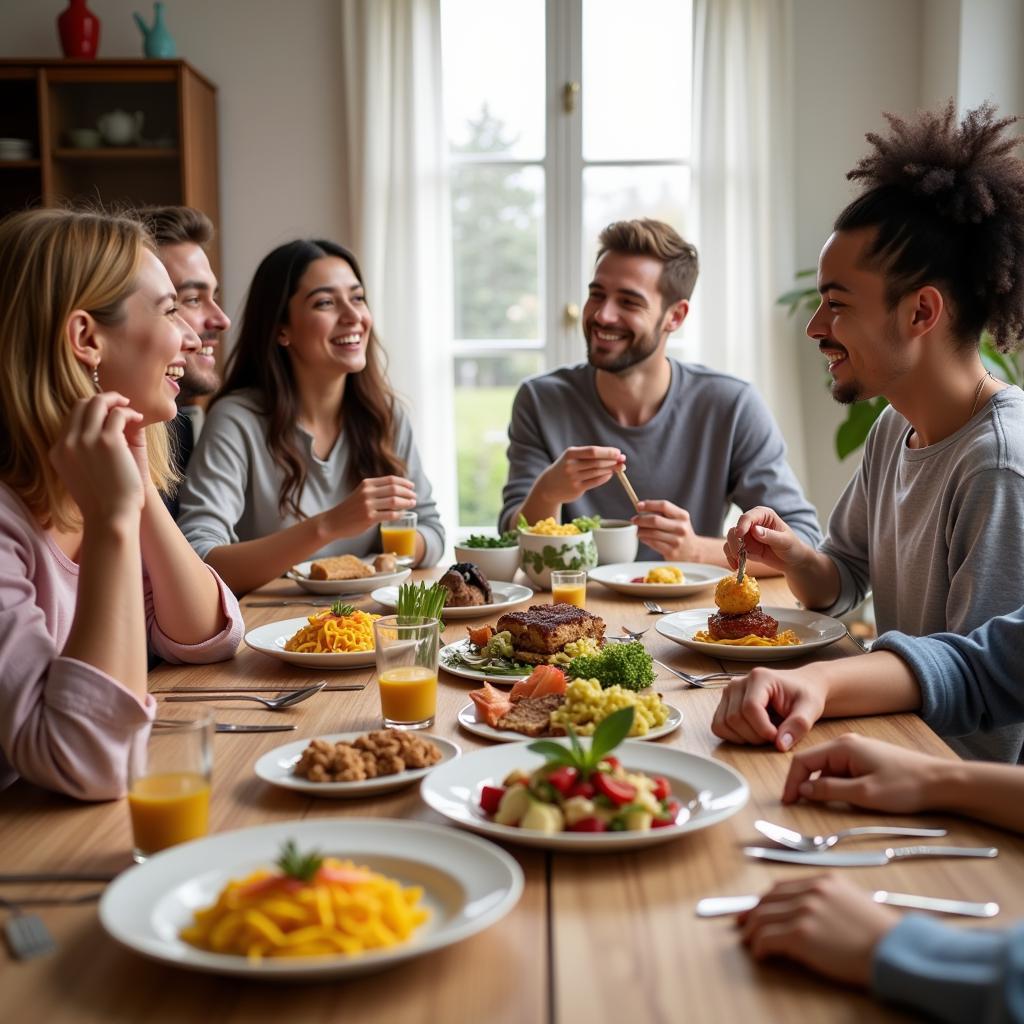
743, 142
397, 210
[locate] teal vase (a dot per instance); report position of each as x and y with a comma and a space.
156, 40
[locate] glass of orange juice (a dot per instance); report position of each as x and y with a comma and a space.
169, 784
407, 670
569, 586
398, 536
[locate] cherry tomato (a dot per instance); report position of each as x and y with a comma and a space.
616, 790
490, 798
589, 825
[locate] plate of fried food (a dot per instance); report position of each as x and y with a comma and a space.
741, 630
337, 637
343, 765
658, 579
250, 903
543, 634
348, 574
469, 593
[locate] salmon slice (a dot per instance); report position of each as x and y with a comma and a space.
490, 703
544, 679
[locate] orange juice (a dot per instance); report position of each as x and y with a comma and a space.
168, 809
575, 594
398, 540
408, 693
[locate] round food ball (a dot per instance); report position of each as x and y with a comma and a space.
736, 598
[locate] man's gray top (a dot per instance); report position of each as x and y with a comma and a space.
710, 443
231, 491
936, 533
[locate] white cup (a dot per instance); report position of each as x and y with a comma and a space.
616, 541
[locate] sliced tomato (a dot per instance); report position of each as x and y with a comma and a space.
668, 816
612, 762
342, 876
616, 790
582, 788
563, 778
588, 825
490, 798
662, 790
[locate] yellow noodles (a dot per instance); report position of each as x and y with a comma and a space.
787, 638
328, 633
345, 910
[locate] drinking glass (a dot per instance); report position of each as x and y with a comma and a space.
569, 586
169, 783
398, 536
407, 670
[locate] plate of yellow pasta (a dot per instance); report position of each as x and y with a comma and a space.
658, 579
799, 632
322, 639
311, 899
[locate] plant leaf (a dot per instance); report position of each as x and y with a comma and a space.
610, 732
555, 752
854, 431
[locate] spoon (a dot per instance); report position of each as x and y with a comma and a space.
284, 700
798, 841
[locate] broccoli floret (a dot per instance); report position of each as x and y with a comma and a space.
625, 665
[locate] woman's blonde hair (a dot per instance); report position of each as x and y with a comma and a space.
53, 262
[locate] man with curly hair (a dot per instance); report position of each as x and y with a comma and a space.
926, 258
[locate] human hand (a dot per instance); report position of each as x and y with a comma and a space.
576, 471
742, 715
823, 922
767, 538
863, 772
667, 528
376, 500
94, 460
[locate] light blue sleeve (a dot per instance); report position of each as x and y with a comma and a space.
967, 682
956, 975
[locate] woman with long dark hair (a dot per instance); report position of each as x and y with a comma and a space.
305, 451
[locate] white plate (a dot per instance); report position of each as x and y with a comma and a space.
620, 577
813, 629
468, 886
454, 791
271, 638
505, 596
300, 574
475, 673
469, 722
276, 767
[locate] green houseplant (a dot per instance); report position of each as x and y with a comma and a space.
853, 431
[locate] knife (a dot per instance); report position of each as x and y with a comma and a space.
868, 859
232, 727
788, 838
718, 906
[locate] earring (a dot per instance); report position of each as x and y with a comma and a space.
96, 377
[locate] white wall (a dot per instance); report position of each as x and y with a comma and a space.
279, 90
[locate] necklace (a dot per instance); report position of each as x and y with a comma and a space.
977, 394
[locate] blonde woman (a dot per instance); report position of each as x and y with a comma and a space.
91, 563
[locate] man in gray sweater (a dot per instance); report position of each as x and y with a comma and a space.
693, 440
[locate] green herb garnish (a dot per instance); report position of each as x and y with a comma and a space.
302, 866
610, 732
586, 523
417, 600
337, 608
508, 539
626, 665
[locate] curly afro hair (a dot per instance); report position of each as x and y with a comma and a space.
947, 201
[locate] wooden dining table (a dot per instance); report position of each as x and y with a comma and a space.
602, 937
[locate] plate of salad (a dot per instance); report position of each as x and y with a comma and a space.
496, 668
575, 794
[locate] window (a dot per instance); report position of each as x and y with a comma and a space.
562, 116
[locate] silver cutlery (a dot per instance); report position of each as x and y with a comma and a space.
27, 935
32, 877
653, 608
718, 906
232, 727
872, 858
697, 681
302, 600
742, 566
285, 700
797, 841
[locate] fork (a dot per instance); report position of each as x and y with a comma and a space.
653, 608
697, 681
27, 934
285, 700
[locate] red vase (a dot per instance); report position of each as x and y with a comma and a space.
79, 30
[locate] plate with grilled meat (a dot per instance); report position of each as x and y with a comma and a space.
503, 595
535, 717
811, 629
347, 574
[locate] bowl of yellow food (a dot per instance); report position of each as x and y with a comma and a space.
545, 546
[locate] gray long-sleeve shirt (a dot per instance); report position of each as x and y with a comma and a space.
231, 491
710, 443
936, 533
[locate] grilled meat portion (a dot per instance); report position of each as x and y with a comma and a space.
734, 627
532, 715
466, 585
544, 629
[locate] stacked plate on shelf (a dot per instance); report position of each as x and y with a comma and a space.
15, 149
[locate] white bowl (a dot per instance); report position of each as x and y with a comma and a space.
540, 553
616, 541
494, 563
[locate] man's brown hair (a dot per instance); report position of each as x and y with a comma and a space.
660, 241
176, 225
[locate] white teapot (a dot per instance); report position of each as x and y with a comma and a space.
119, 128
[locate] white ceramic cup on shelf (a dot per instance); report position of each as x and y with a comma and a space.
616, 541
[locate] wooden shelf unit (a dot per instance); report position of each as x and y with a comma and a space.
44, 100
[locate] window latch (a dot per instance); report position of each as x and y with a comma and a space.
570, 94
571, 314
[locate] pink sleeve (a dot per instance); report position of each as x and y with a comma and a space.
217, 648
